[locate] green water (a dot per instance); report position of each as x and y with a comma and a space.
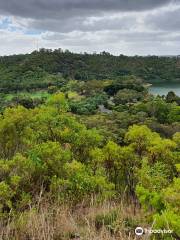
164, 88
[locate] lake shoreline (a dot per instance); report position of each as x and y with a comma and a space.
163, 88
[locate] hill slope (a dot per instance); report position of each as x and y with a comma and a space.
47, 67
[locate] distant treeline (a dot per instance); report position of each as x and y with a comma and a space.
47, 67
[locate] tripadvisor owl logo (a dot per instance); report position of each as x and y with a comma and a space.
139, 231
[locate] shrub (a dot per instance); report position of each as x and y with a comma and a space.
80, 183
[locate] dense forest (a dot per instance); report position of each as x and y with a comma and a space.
43, 68
86, 152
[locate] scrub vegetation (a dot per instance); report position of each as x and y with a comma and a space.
85, 151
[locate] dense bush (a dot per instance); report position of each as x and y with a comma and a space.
101, 140
46, 68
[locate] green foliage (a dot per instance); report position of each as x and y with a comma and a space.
155, 192
170, 221
123, 84
159, 109
154, 177
80, 183
140, 137
169, 218
89, 105
15, 133
176, 139
58, 101
127, 96
171, 97
174, 114
172, 196
60, 147
149, 199
48, 68
6, 194
52, 157
151, 180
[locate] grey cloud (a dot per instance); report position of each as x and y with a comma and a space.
42, 9
86, 24
68, 15
77, 38
142, 43
118, 26
167, 21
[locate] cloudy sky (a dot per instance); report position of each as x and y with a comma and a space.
131, 27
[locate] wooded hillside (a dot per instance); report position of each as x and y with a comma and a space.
44, 68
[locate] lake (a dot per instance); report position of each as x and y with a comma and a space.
164, 88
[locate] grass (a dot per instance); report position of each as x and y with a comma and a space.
33, 95
47, 221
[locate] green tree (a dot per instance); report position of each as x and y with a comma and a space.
15, 133
140, 138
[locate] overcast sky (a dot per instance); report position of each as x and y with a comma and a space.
131, 27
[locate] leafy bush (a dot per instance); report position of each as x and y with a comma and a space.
80, 183
89, 105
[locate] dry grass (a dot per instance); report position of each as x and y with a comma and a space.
54, 222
